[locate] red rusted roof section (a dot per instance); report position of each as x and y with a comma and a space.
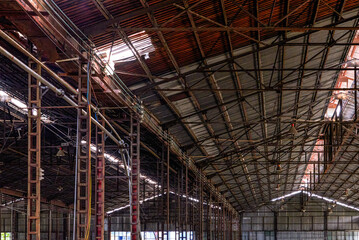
182, 44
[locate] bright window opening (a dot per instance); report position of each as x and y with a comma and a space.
330, 200
172, 235
21, 106
316, 157
5, 236
345, 80
118, 51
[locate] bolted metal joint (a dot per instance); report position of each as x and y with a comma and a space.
60, 93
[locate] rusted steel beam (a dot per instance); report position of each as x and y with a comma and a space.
233, 29
20, 13
50, 27
125, 38
303, 63
194, 101
218, 96
102, 26
334, 68
262, 113
237, 83
277, 43
304, 89
189, 162
330, 166
19, 194
216, 23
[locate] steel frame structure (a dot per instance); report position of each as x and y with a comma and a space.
257, 180
107, 16
34, 155
100, 183
135, 177
84, 141
83, 153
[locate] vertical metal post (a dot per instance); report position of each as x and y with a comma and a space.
219, 223
65, 226
194, 224
157, 203
220, 218
57, 219
100, 183
355, 93
1, 217
216, 223
15, 226
109, 227
34, 156
210, 222
240, 227
325, 225
225, 222
163, 186
224, 225
49, 234
135, 177
179, 216
144, 224
186, 203
200, 208
231, 226
68, 225
318, 166
181, 206
83, 155
275, 215
228, 221
168, 190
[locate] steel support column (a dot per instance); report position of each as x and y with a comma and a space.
168, 191
109, 229
49, 222
200, 209
135, 177
163, 192
210, 215
275, 215
216, 223
83, 155
239, 226
231, 229
325, 225
15, 225
157, 192
186, 203
34, 156
100, 183
179, 215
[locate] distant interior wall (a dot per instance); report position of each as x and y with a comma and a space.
317, 222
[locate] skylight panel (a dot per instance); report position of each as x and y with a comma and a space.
118, 51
